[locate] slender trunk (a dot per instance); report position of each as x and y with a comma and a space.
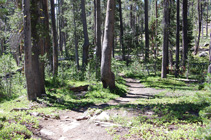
76, 38
146, 32
55, 43
98, 29
107, 77
61, 26
165, 40
207, 18
184, 33
121, 30
177, 39
199, 22
98, 36
86, 37
202, 22
46, 28
209, 67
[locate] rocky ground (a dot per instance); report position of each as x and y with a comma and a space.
91, 124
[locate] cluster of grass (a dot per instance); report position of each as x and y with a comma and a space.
165, 117
64, 98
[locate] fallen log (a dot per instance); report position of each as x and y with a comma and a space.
80, 88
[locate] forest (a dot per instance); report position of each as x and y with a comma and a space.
105, 69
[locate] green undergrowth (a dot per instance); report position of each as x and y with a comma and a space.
165, 117
64, 98
16, 124
20, 124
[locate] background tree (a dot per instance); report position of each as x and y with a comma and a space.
177, 39
146, 31
165, 39
55, 43
184, 32
86, 37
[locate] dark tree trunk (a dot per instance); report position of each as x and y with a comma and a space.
146, 32
98, 36
75, 38
177, 39
165, 40
199, 21
46, 28
61, 26
107, 77
121, 30
156, 33
184, 32
37, 48
31, 90
86, 37
98, 29
55, 43
207, 18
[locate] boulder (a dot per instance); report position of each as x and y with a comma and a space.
103, 116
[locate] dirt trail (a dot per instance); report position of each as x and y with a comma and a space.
68, 128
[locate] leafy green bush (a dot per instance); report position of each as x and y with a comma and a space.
12, 83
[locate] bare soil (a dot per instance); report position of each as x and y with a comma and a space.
68, 128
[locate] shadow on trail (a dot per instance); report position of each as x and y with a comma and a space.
162, 113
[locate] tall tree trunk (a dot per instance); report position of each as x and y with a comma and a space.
202, 21
165, 39
31, 90
177, 39
184, 32
107, 77
75, 37
98, 36
146, 32
55, 43
209, 67
199, 22
121, 30
86, 37
61, 26
156, 33
207, 18
36, 48
46, 28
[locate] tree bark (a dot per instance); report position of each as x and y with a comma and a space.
209, 67
177, 39
165, 39
207, 18
199, 22
55, 43
33, 48
107, 77
121, 30
61, 26
184, 33
46, 28
75, 37
31, 91
98, 36
86, 37
146, 32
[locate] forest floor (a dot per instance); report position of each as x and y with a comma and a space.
93, 123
